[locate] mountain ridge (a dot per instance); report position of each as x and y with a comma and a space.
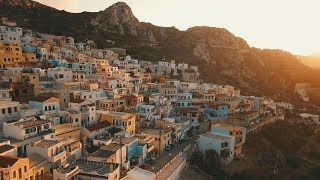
221, 56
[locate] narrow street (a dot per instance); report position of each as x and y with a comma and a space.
167, 156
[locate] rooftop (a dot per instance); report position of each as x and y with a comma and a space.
156, 131
35, 159
99, 125
102, 153
6, 161
45, 143
215, 136
227, 126
126, 140
112, 147
8, 103
30, 123
92, 167
5, 148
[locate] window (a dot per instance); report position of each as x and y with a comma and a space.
3, 111
14, 174
25, 168
20, 172
15, 109
45, 108
53, 107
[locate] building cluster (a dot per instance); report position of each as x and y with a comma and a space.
303, 90
70, 110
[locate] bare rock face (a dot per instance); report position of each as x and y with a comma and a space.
221, 56
22, 3
118, 18
201, 51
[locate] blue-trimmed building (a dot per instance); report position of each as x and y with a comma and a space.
214, 111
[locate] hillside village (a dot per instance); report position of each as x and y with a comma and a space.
72, 111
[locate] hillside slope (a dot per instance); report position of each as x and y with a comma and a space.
221, 56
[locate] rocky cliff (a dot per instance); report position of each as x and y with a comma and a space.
221, 56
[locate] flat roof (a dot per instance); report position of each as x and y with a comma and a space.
112, 147
5, 148
126, 140
216, 136
226, 126
45, 143
35, 159
95, 167
8, 103
156, 131
30, 123
102, 153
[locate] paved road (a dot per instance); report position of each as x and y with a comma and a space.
166, 156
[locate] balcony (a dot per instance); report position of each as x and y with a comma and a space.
37, 136
150, 147
58, 156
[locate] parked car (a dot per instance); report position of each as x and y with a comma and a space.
145, 166
167, 148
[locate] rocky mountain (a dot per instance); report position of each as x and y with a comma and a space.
22, 3
313, 61
221, 56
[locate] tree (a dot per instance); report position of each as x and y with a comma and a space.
212, 160
197, 159
208, 162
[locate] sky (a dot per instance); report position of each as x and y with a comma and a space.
291, 25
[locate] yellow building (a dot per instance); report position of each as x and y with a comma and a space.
29, 57
162, 138
14, 168
65, 131
126, 120
10, 55
112, 104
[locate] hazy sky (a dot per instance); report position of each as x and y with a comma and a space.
292, 25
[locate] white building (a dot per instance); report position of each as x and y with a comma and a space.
222, 144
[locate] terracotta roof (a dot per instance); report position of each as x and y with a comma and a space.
5, 148
78, 101
6, 161
40, 98
99, 125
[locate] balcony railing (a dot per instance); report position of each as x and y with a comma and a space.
39, 134
150, 148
